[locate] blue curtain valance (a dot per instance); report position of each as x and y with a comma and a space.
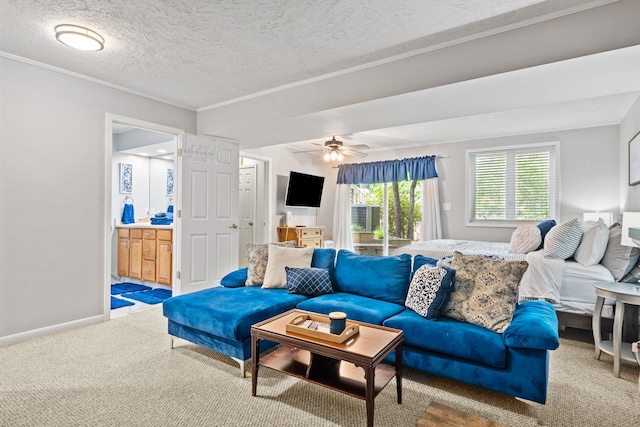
413, 169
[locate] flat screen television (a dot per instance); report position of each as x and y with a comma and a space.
304, 191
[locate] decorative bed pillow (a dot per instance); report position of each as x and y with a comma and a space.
544, 228
619, 259
308, 281
594, 242
525, 239
429, 290
562, 240
258, 257
485, 290
281, 257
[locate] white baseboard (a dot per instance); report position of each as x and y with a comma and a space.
22, 336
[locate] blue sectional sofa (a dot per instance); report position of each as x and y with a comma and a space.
373, 289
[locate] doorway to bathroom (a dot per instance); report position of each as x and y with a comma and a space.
141, 219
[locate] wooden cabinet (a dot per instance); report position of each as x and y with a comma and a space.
146, 254
312, 237
164, 250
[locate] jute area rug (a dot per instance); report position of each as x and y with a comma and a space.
123, 373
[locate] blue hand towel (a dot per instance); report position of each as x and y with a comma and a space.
127, 214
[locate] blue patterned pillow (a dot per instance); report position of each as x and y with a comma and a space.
308, 281
429, 290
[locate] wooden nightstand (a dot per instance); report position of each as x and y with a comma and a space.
311, 237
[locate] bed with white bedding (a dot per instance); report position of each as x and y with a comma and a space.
567, 284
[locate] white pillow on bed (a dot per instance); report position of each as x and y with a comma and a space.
525, 239
594, 242
562, 240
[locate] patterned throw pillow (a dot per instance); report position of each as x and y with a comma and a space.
562, 240
308, 281
429, 290
258, 258
485, 291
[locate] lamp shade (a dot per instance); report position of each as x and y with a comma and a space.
607, 217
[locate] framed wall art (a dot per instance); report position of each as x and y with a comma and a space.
126, 178
634, 160
169, 182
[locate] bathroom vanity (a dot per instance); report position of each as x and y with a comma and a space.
145, 252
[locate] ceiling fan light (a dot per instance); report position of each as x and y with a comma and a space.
326, 157
79, 37
333, 156
340, 157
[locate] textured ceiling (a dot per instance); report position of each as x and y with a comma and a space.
197, 53
213, 55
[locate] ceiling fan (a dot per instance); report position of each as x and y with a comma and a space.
334, 150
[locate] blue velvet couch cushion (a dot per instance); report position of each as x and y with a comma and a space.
384, 278
357, 307
534, 325
451, 337
228, 312
322, 258
420, 260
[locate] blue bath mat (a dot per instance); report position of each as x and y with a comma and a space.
121, 288
153, 296
118, 303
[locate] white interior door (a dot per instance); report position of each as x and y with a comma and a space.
208, 212
247, 211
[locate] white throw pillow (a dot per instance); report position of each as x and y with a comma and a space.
562, 240
525, 239
279, 257
594, 243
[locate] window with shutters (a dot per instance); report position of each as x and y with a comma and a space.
509, 185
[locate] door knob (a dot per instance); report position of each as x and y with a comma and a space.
233, 226
251, 223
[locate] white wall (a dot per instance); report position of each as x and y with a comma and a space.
630, 126
52, 187
283, 161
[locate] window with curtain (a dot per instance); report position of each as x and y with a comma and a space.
507, 185
396, 184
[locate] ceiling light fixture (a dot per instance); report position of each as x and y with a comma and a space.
79, 37
333, 155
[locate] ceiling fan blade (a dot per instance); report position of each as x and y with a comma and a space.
354, 153
309, 151
358, 146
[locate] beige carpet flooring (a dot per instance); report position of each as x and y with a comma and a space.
122, 373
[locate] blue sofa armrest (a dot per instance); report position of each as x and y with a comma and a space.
534, 325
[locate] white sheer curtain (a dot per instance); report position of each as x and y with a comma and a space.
431, 225
342, 218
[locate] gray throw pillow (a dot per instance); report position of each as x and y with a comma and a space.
619, 259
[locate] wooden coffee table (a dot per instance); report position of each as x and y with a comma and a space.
354, 367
